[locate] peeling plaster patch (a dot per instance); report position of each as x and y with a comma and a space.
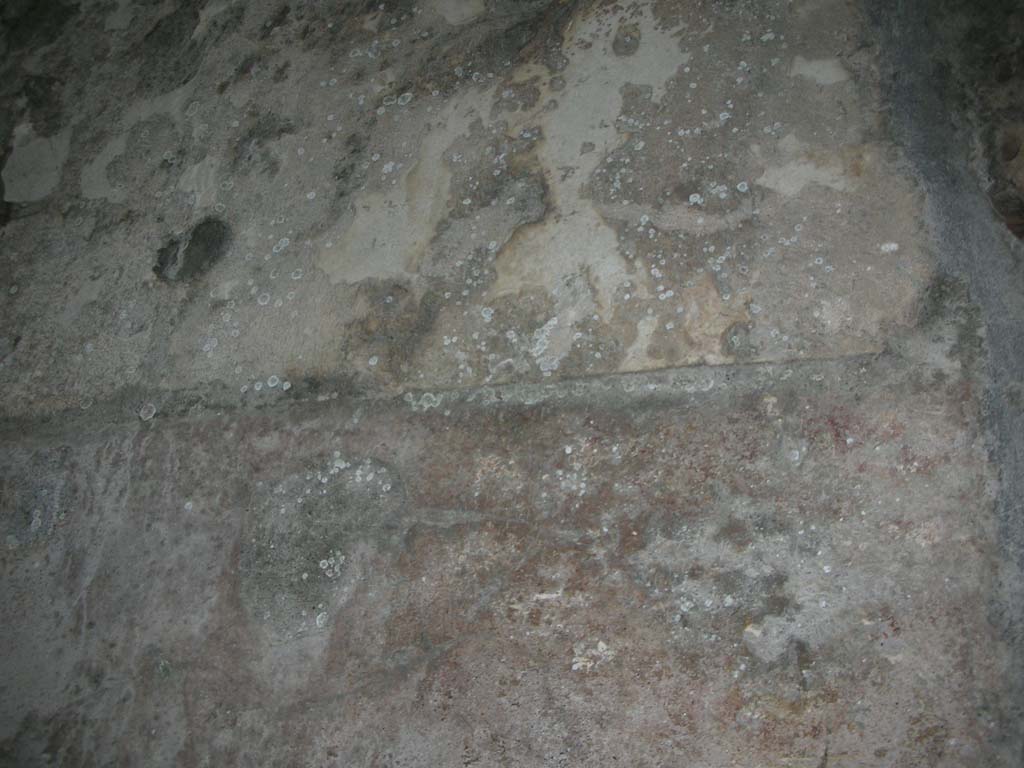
171, 103
577, 240
388, 232
201, 182
457, 12
34, 168
636, 355
790, 179
95, 184
707, 316
821, 71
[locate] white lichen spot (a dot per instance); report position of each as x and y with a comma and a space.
541, 341
425, 402
585, 659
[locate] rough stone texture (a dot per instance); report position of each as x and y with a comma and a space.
542, 383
